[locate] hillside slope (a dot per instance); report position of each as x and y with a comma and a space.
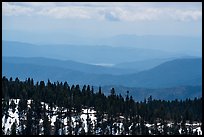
179, 72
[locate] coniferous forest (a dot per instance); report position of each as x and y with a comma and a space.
57, 108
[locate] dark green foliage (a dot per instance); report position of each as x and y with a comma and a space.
13, 128
46, 125
13, 106
110, 110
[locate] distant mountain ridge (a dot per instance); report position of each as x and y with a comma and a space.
178, 72
148, 64
69, 64
171, 73
139, 94
180, 44
83, 53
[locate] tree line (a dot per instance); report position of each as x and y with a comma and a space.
114, 108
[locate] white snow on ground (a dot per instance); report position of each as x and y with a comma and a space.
160, 128
196, 124
180, 130
65, 121
91, 116
46, 105
149, 125
41, 121
120, 125
53, 119
29, 102
14, 116
198, 130
55, 108
169, 124
64, 110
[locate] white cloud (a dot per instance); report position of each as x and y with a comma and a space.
65, 12
142, 15
106, 11
187, 15
10, 9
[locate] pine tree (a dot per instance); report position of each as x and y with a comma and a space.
46, 125
29, 123
57, 126
107, 107
13, 105
89, 125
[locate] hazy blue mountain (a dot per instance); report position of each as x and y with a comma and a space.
47, 37
144, 64
41, 72
68, 64
178, 44
179, 72
171, 73
83, 53
147, 64
180, 92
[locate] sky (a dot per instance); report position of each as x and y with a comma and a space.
43, 21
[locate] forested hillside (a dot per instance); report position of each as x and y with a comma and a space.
62, 109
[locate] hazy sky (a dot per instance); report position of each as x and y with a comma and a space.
102, 19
